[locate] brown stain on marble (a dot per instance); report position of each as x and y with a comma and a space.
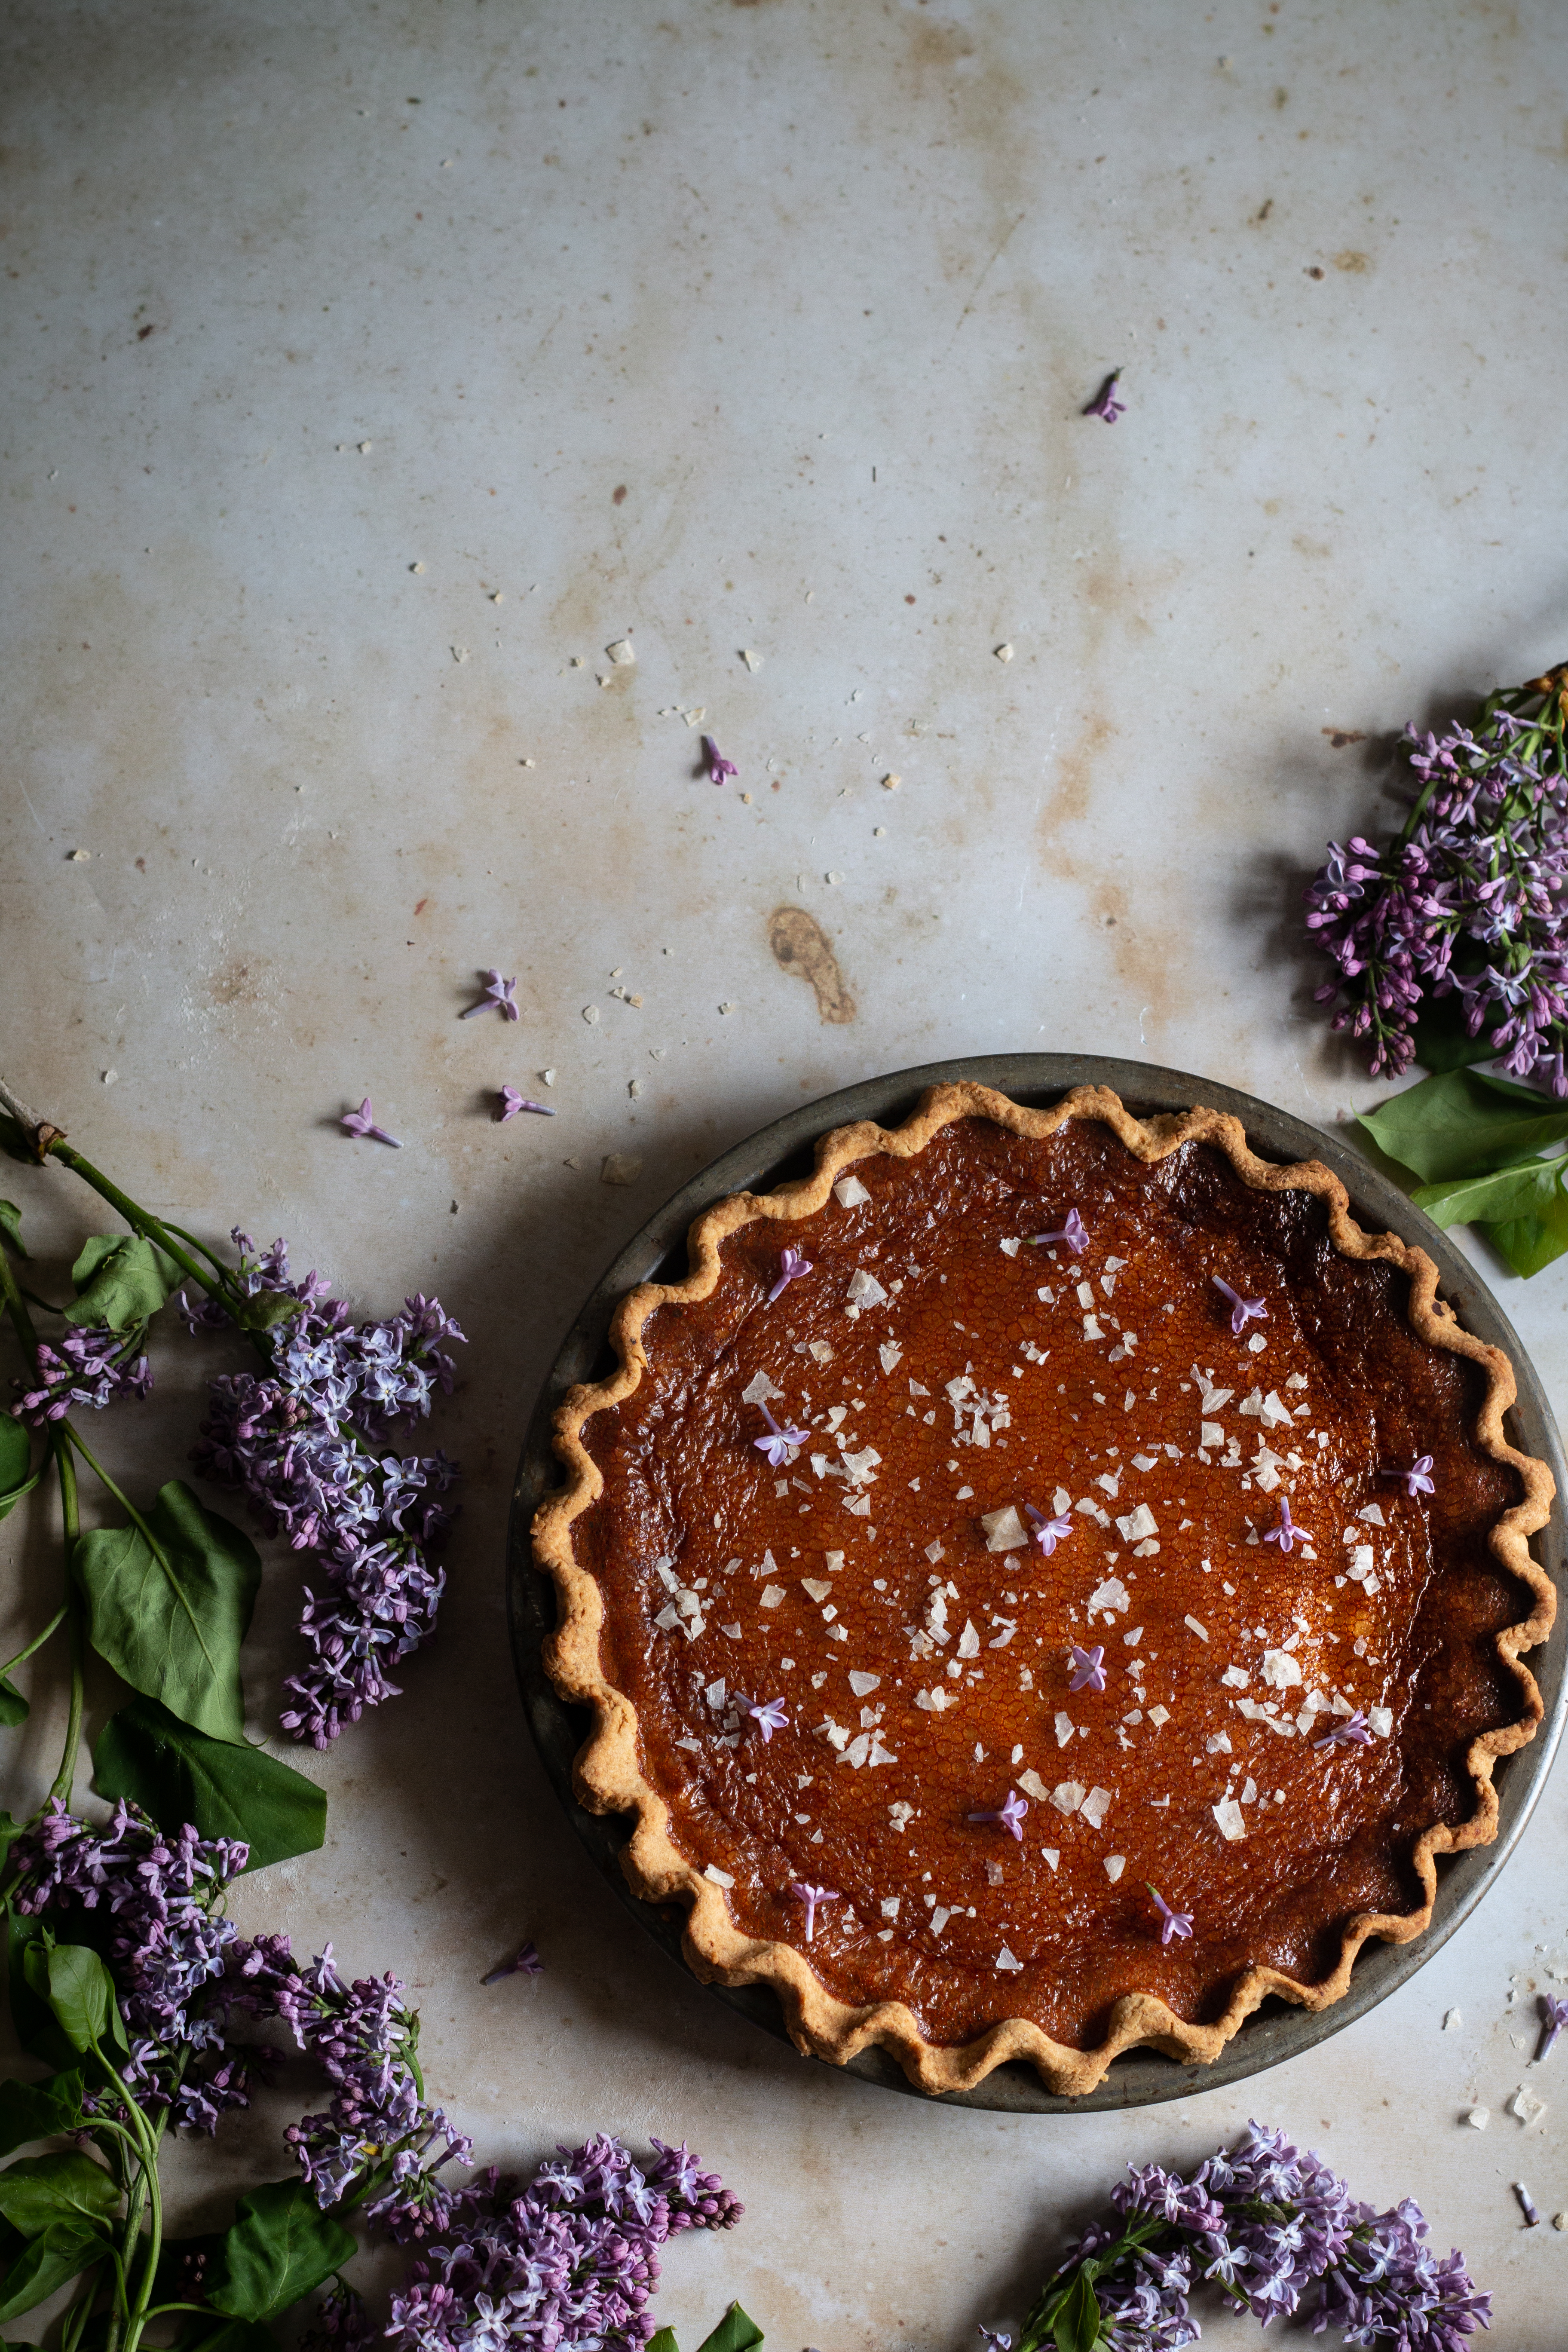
1070, 800
800, 947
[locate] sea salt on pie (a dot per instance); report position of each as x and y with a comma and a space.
1045, 1583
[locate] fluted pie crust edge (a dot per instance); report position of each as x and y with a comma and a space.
608, 1773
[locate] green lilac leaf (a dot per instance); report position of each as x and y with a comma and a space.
169, 1620
120, 1280
81, 1991
280, 2246
1443, 1039
1077, 2326
664, 2341
11, 1227
48, 2264
16, 1454
1530, 1243
735, 2333
14, 1707
38, 2110
40, 2190
266, 1310
149, 1758
1484, 1200
1465, 1125
32, 2019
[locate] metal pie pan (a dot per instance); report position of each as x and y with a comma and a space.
775, 1154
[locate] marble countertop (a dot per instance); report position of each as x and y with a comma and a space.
369, 372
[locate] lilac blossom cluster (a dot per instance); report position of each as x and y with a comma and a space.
568, 2265
181, 1968
1467, 900
312, 1442
377, 2131
1266, 2224
89, 1366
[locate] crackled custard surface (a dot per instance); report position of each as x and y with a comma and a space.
886, 1588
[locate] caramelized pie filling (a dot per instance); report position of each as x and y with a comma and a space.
942, 1369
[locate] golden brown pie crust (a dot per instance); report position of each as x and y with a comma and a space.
609, 1771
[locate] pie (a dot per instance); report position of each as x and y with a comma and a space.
1044, 1582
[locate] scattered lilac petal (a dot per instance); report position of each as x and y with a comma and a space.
513, 1102
1046, 1533
1087, 1669
525, 1963
1527, 2206
1075, 1233
791, 1265
769, 1716
718, 766
780, 1446
1009, 1815
1351, 1731
498, 993
1175, 1923
1287, 1535
1553, 2018
1105, 403
1242, 1310
811, 1896
1418, 1479
360, 1124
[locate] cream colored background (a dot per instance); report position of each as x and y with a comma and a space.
823, 288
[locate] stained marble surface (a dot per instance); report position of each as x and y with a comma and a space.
369, 372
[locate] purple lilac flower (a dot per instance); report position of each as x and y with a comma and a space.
569, 2265
1173, 1923
1287, 1535
89, 1366
811, 1896
994, 2339
1242, 1310
1466, 901
312, 1445
500, 992
180, 1971
769, 1716
513, 1102
717, 765
362, 2037
1417, 1478
1046, 1533
1553, 2018
525, 1962
1105, 403
791, 1265
1351, 1731
361, 1123
1075, 1233
781, 1446
1086, 1668
1527, 2206
1009, 1815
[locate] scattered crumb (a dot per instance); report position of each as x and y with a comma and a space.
78, 857
1451, 2019
1003, 653
416, 567
622, 653
726, 1008
1479, 2118
752, 660
890, 782
110, 1078
619, 1168
590, 1014
548, 1077
365, 448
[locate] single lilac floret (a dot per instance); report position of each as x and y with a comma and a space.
1287, 1535
1242, 1311
718, 766
525, 1962
1087, 1669
90, 1367
1008, 1816
1105, 403
811, 1896
1351, 1731
513, 1102
994, 2339
1553, 2018
1417, 1478
1075, 1233
1175, 1923
1046, 1533
791, 1265
780, 1446
498, 993
769, 1716
361, 1123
